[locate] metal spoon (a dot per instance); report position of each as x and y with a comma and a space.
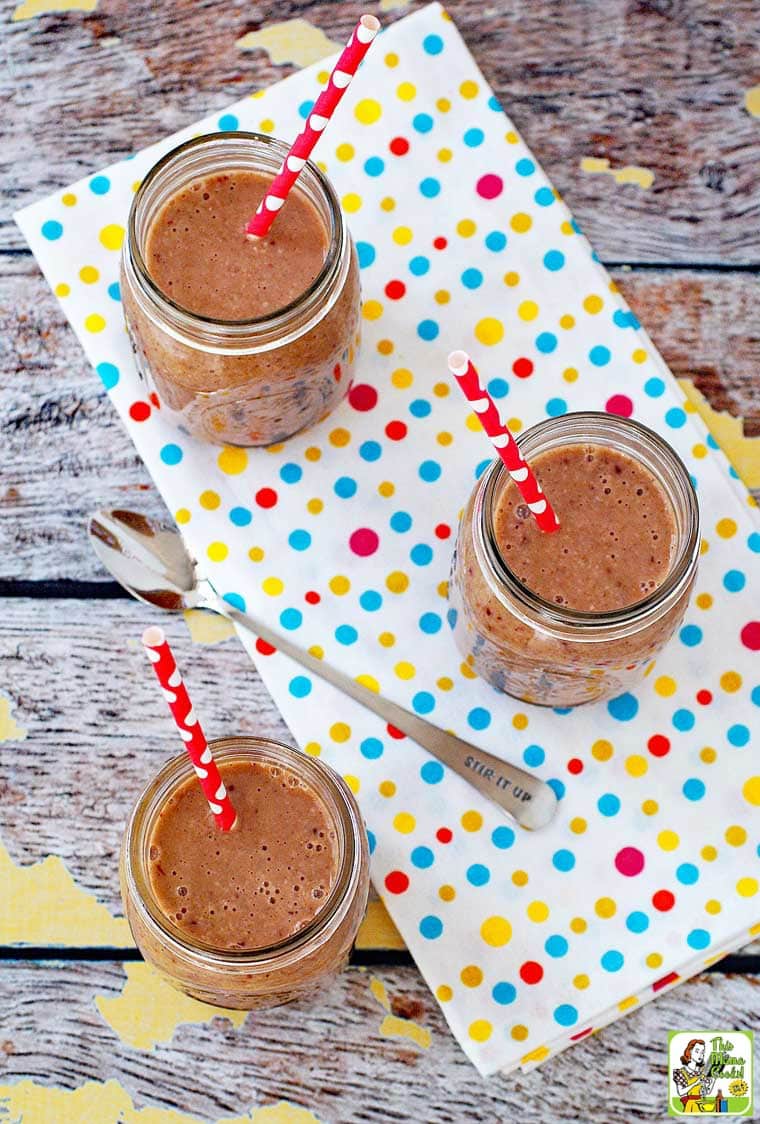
151, 562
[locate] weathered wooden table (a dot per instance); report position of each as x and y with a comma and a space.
662, 89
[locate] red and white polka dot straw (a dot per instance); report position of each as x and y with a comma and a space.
324, 107
461, 367
160, 655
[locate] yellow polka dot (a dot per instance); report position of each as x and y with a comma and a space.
340, 732
442, 296
665, 686
368, 111
515, 424
471, 976
605, 907
511, 137
406, 91
489, 331
217, 551
578, 925
472, 421
402, 379
89, 274
567, 322
480, 1031
136, 185
372, 310
726, 528
581, 981
469, 89
735, 835
351, 202
730, 681
466, 228
570, 374
340, 585
712, 906
232, 461
751, 791
496, 931
69, 199
402, 235
704, 546
317, 651
209, 500
668, 840
62, 290
387, 639
628, 1002
266, 126
519, 1032
385, 347
340, 437
443, 993
639, 355
537, 911
444, 683
521, 223
447, 893
386, 489
709, 854
112, 236
636, 765
699, 451
386, 788
511, 278
704, 600
527, 310
472, 820
182, 515
404, 822
405, 670
654, 960
391, 59
442, 589
520, 721
650, 807
345, 152
467, 671
312, 453
602, 750
388, 203
746, 887
94, 322
537, 1055
314, 506
276, 448
443, 105
256, 554
444, 155
397, 582
578, 825
708, 755
313, 749
567, 228
353, 782
273, 587
520, 877
593, 304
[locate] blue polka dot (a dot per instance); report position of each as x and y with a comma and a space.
473, 138
422, 857
291, 473
690, 635
544, 197
502, 837
557, 787
346, 634
432, 772
683, 719
100, 185
300, 687
429, 471
698, 939
534, 755
236, 600
421, 554
345, 487
555, 407
711, 442
240, 516
423, 702
478, 875
401, 521
299, 539
546, 343
687, 874
504, 993
423, 123
563, 860
171, 454
609, 804
451, 617
114, 291
479, 718
637, 922
228, 122
481, 467
366, 254
734, 580
755, 696
305, 109
496, 240
52, 230
498, 388
738, 735
624, 707
556, 946
371, 840
612, 961
370, 451
109, 375
430, 623
472, 278
374, 166
431, 927
432, 44
430, 187
525, 167
675, 417
420, 408
554, 260
494, 104
419, 266
427, 329
624, 318
566, 1014
291, 619
654, 387
753, 542
600, 355
370, 600
371, 748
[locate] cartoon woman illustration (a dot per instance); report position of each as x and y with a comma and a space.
691, 1081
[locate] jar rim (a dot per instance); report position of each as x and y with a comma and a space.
560, 617
330, 789
336, 234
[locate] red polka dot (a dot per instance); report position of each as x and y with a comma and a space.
531, 972
397, 882
265, 649
364, 542
395, 290
581, 1034
750, 635
399, 146
619, 404
312, 597
629, 861
575, 766
489, 186
523, 368
443, 531
362, 397
139, 411
337, 372
658, 745
440, 243
665, 981
444, 835
266, 497
704, 698
663, 900
396, 430
394, 732
155, 399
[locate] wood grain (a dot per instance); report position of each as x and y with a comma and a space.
655, 84
330, 1058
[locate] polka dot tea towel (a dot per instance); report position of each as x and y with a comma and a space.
343, 537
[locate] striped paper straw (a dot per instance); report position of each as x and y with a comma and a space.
324, 107
160, 655
461, 367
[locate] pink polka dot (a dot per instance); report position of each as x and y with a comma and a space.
364, 542
629, 861
363, 397
619, 404
489, 186
750, 635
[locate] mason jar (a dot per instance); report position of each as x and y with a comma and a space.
242, 382
548, 653
267, 976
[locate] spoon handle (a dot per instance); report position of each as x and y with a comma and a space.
527, 799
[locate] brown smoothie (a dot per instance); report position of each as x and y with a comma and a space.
256, 885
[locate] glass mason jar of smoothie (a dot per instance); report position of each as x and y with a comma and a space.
579, 614
261, 914
245, 342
